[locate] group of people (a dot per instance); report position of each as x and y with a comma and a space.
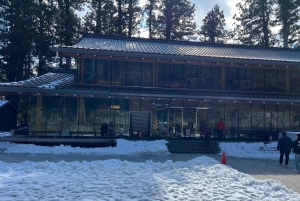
107, 129
285, 146
206, 132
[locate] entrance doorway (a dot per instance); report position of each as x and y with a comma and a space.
188, 122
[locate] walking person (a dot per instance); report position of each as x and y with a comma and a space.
296, 151
207, 134
284, 146
220, 126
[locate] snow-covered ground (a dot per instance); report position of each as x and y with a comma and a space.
202, 178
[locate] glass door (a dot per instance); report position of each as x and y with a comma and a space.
202, 119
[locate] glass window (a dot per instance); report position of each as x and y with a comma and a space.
100, 69
70, 120
232, 82
147, 74
271, 118
282, 80
216, 82
186, 76
54, 106
89, 71
102, 112
194, 77
258, 79
271, 80
283, 117
294, 117
231, 118
294, 81
204, 80
108, 71
258, 117
177, 76
160, 75
217, 113
245, 79
87, 115
244, 117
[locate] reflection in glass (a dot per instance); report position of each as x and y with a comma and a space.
258, 116
294, 117
231, 118
283, 117
258, 79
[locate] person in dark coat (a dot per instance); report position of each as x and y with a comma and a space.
296, 151
284, 146
207, 134
220, 126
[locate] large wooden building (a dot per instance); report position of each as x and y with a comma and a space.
147, 87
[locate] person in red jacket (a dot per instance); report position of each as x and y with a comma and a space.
220, 126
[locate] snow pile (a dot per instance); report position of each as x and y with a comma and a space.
124, 147
202, 178
250, 149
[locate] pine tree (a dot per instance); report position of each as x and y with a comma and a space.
150, 9
176, 19
44, 20
212, 29
68, 23
255, 22
129, 17
101, 17
287, 16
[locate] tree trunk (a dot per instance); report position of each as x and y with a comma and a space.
150, 18
168, 19
130, 18
119, 18
99, 18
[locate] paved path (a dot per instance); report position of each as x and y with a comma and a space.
258, 168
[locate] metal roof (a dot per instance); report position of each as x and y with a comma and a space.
185, 48
47, 81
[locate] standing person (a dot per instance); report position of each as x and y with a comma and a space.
220, 126
111, 129
284, 146
207, 133
296, 151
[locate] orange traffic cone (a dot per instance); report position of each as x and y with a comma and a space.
270, 138
224, 158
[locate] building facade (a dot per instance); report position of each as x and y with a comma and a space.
149, 87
